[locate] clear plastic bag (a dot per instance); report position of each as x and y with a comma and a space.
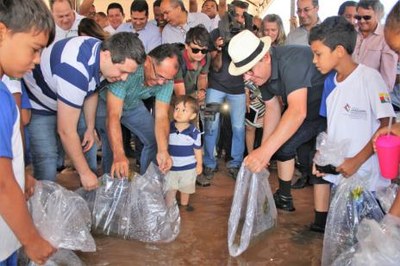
329, 152
350, 204
147, 216
62, 257
109, 205
134, 209
253, 206
386, 196
378, 244
62, 217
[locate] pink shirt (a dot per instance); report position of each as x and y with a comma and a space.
374, 52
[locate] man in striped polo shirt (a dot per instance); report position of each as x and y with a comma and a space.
63, 85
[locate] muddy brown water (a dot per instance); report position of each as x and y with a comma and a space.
203, 236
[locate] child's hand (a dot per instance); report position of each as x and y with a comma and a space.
199, 169
39, 250
316, 172
349, 167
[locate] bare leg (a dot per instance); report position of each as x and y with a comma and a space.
250, 137
170, 198
286, 169
184, 199
322, 194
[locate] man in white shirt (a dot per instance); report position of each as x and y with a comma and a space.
116, 16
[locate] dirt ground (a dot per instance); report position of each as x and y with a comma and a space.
203, 236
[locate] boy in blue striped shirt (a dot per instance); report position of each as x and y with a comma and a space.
185, 150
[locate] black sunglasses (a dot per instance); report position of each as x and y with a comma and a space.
197, 50
357, 17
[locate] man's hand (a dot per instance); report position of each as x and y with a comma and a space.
164, 161
39, 250
29, 186
89, 181
88, 140
120, 166
257, 160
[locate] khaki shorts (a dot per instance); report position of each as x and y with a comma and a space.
183, 181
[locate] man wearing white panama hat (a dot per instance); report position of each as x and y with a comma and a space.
288, 72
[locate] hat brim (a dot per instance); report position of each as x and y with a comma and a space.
237, 71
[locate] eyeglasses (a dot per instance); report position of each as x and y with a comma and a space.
197, 50
362, 17
305, 10
156, 75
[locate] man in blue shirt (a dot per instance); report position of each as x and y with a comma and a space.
63, 85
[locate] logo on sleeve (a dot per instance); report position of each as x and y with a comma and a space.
384, 97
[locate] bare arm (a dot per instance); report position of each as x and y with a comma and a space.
216, 55
85, 6
120, 164
89, 109
351, 165
287, 126
222, 7
198, 154
202, 84
162, 135
179, 88
67, 122
14, 211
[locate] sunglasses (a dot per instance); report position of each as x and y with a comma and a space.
357, 17
197, 50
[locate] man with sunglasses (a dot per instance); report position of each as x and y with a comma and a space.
124, 105
307, 10
371, 47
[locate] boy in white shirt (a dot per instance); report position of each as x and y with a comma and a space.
355, 101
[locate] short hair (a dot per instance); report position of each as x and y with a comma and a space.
240, 4
52, 2
198, 35
163, 51
393, 19
375, 5
313, 2
24, 16
89, 27
189, 101
281, 39
214, 1
343, 6
157, 3
101, 14
140, 6
176, 3
124, 45
335, 31
115, 6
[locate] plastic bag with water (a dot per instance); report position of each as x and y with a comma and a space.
62, 217
253, 206
350, 204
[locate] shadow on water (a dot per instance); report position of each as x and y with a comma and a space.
203, 236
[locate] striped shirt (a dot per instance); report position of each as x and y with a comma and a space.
69, 71
181, 147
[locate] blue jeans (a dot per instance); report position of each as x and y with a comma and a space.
106, 153
141, 123
45, 141
12, 260
237, 109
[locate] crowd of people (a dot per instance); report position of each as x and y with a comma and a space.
73, 79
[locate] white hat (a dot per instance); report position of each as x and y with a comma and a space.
245, 50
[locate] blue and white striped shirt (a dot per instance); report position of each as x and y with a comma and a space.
69, 71
181, 147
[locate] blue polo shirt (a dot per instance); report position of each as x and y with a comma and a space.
69, 71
